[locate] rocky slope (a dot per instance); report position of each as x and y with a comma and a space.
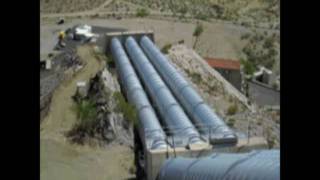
111, 126
227, 101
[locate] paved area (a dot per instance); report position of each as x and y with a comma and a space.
49, 35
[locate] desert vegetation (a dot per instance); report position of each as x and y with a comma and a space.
142, 12
126, 108
255, 11
231, 122
232, 109
196, 33
87, 117
63, 6
261, 49
165, 48
90, 112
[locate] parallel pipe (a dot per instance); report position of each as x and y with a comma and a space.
172, 114
208, 123
257, 165
150, 129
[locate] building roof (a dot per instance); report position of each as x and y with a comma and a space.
223, 63
262, 70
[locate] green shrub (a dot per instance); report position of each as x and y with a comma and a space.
86, 115
275, 85
245, 24
196, 77
272, 52
196, 33
201, 16
165, 48
128, 110
232, 109
212, 88
231, 122
198, 30
183, 10
142, 12
181, 41
259, 122
245, 36
271, 142
187, 71
268, 43
219, 10
248, 67
109, 61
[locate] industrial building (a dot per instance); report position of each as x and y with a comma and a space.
229, 69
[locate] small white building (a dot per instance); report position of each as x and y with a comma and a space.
263, 75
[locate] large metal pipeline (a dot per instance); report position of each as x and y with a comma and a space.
257, 165
207, 122
150, 129
173, 116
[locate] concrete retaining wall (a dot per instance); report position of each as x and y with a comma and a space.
263, 95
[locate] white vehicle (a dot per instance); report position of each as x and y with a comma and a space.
83, 33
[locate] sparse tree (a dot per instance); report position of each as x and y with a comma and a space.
142, 12
197, 32
219, 10
165, 48
232, 109
248, 67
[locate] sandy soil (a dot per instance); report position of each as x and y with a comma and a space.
61, 160
218, 40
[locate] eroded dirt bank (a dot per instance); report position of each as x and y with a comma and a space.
59, 158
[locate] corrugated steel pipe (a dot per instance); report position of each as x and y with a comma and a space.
256, 165
172, 114
151, 133
208, 123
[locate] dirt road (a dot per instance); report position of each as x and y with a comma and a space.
61, 160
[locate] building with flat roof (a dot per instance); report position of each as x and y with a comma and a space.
229, 69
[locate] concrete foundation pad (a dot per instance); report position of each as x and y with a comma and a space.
123, 35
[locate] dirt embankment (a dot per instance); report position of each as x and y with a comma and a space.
61, 160
64, 65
